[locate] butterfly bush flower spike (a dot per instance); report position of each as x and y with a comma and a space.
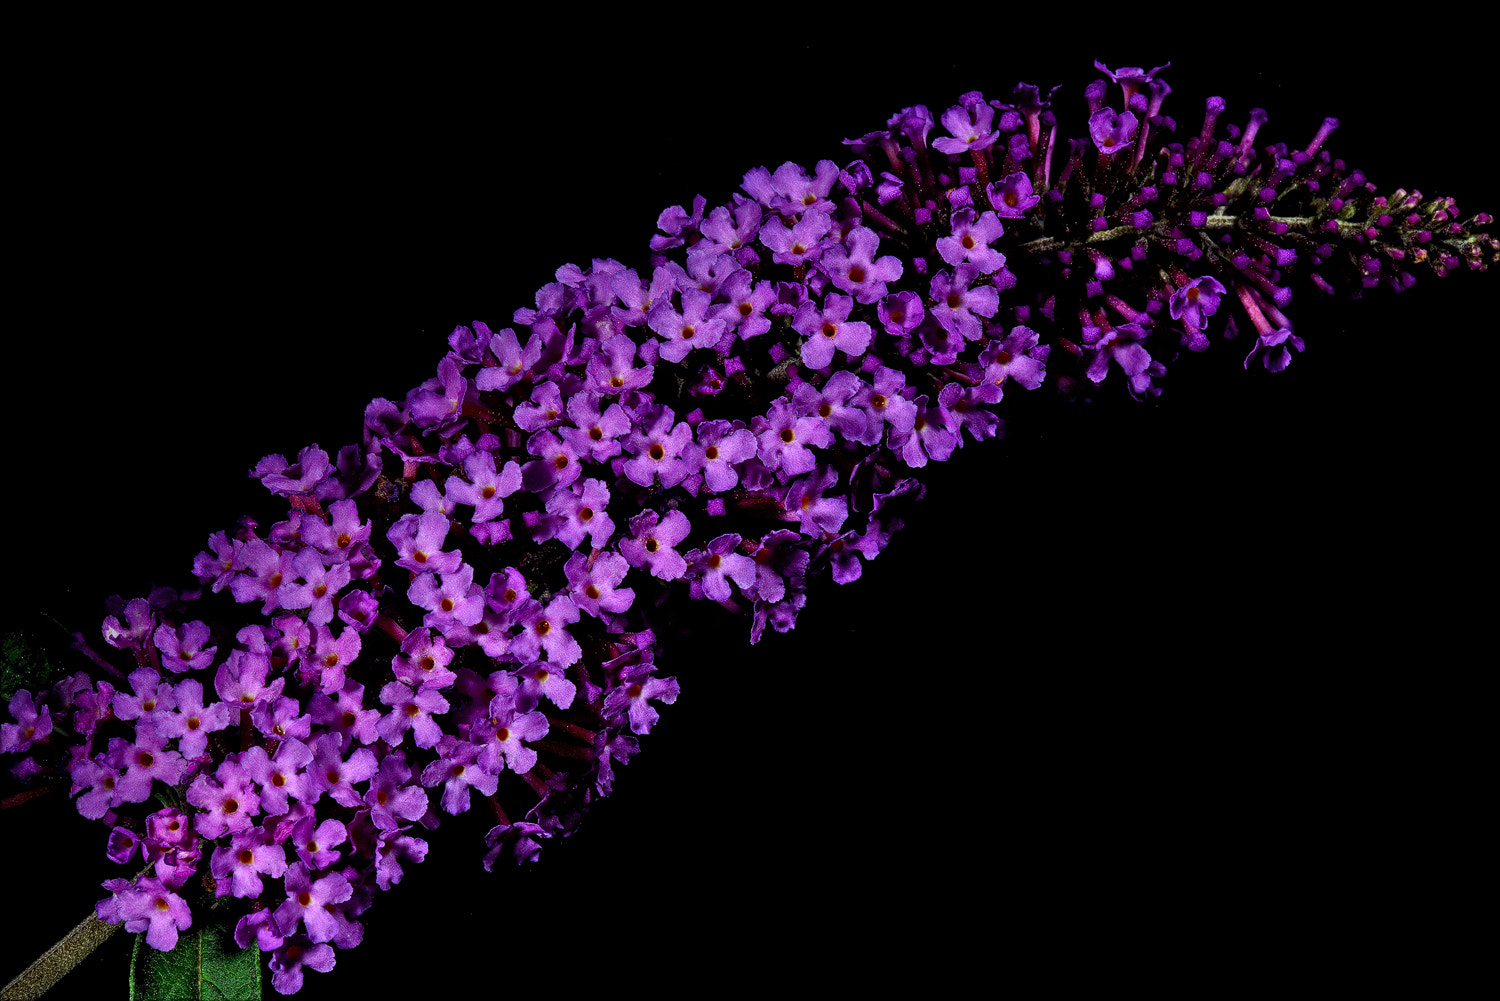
475, 607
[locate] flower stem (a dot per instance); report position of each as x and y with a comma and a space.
38, 978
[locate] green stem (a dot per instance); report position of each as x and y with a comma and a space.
38, 978
1299, 224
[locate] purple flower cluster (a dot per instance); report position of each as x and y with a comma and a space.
473, 597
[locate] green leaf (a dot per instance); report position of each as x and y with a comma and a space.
205, 966
24, 663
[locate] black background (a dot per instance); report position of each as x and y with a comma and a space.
1179, 672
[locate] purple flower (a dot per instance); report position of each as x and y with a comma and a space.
152, 908
691, 328
226, 801
501, 738
238, 867
456, 770
330, 773
314, 842
540, 679
485, 489
271, 578
723, 234
289, 958
308, 902
681, 227
1011, 196
456, 600
852, 266
844, 552
439, 402
122, 845
1130, 77
30, 724
1111, 132
969, 128
582, 510
182, 647
830, 328
971, 239
346, 716
800, 244
145, 761
1017, 356
131, 635
409, 711
957, 304
280, 777
1274, 348
597, 434
1122, 344
1196, 301
331, 656
884, 403
281, 718
804, 498
341, 538
778, 559
424, 659
151, 702
746, 305
392, 847
832, 404
713, 568
222, 564
611, 369
594, 584
242, 679
103, 784
901, 313
419, 542
798, 192
632, 697
653, 543
928, 438
391, 796
301, 478
721, 446
192, 722
545, 629
517, 842
658, 450
784, 439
